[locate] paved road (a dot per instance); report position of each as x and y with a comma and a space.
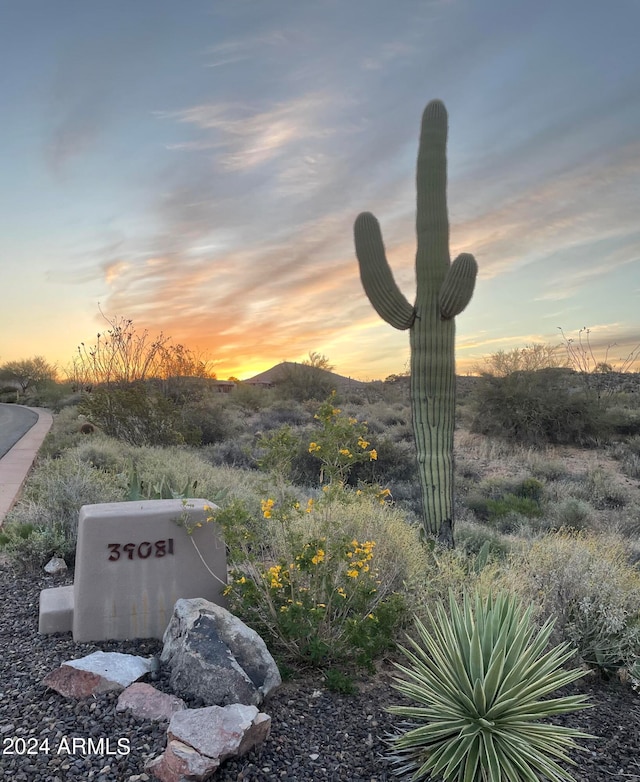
15, 421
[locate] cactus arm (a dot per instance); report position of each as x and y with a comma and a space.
377, 278
457, 289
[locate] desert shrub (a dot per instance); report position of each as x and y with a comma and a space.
628, 454
406, 495
177, 467
472, 538
573, 513
396, 463
339, 443
538, 408
545, 468
623, 421
511, 504
282, 414
500, 501
48, 394
208, 420
51, 502
64, 433
238, 453
9, 394
633, 445
251, 398
31, 547
601, 490
323, 581
301, 383
382, 417
135, 414
627, 524
587, 583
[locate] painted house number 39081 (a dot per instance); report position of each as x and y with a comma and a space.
144, 550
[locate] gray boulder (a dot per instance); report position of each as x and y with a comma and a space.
215, 656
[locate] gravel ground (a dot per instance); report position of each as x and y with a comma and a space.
316, 734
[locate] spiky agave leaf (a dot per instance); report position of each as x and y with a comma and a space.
480, 676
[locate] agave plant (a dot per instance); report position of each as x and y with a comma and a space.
482, 677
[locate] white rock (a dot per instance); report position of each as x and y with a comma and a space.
98, 672
55, 566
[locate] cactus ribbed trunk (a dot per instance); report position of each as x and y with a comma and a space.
443, 291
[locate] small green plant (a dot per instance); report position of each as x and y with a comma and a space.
481, 677
337, 681
507, 505
30, 547
161, 490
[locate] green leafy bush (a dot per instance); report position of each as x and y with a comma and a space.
537, 408
31, 547
339, 443
209, 420
135, 414
481, 676
321, 580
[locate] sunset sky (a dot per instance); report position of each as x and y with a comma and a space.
197, 167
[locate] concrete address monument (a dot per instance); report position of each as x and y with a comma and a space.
133, 561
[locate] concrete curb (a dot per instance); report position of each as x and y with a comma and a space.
16, 464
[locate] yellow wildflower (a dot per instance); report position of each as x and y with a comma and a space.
345, 452
313, 447
309, 507
373, 455
274, 575
341, 592
353, 421
267, 506
363, 443
319, 557
353, 573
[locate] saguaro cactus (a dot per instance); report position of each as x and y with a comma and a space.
443, 291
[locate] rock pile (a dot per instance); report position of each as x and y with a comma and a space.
212, 656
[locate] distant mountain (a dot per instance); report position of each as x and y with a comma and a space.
281, 371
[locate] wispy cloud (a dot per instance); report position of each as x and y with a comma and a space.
589, 204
